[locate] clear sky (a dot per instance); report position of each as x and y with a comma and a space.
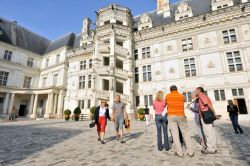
54, 18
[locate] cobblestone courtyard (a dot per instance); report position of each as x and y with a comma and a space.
56, 142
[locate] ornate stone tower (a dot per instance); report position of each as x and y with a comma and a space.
163, 7
87, 34
113, 55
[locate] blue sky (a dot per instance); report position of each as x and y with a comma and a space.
54, 18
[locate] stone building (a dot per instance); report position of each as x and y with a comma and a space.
190, 43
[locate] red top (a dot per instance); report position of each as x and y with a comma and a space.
204, 100
159, 106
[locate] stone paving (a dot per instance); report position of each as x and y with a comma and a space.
56, 142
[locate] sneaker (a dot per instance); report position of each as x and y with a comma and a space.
181, 156
102, 142
208, 152
241, 132
190, 155
123, 142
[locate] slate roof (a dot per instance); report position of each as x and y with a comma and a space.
199, 7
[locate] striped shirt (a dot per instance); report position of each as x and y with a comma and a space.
175, 104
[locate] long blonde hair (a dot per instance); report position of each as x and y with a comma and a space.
159, 96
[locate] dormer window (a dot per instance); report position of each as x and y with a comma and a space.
119, 22
220, 4
106, 22
145, 22
183, 10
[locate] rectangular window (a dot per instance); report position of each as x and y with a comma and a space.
136, 75
89, 81
136, 54
1, 100
146, 52
27, 82
90, 63
55, 78
106, 61
83, 65
82, 82
137, 101
234, 61
89, 103
44, 82
187, 96
57, 58
7, 55
105, 85
190, 67
187, 44
148, 100
147, 73
30, 62
219, 95
238, 92
81, 104
3, 78
47, 63
229, 36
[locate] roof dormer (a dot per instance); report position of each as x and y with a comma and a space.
219, 4
145, 22
244, 1
183, 10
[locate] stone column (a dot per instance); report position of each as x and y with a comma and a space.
55, 105
46, 115
35, 106
6, 103
51, 104
60, 104
12, 98
31, 104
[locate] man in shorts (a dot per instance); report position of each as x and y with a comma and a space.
118, 117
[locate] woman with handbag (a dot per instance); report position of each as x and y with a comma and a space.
101, 116
233, 111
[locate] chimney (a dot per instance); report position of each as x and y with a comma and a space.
86, 26
163, 7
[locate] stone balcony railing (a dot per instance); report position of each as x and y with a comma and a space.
104, 48
121, 51
121, 72
124, 97
102, 94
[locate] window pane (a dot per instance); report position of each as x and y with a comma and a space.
241, 92
216, 95
145, 100
150, 100
234, 92
239, 67
222, 95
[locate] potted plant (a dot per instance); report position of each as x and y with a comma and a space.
141, 114
77, 113
67, 113
92, 112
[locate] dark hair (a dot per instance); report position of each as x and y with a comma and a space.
173, 88
201, 89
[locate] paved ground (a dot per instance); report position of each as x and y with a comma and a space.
56, 142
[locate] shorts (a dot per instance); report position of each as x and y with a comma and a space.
101, 124
119, 121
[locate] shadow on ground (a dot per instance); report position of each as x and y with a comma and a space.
20, 141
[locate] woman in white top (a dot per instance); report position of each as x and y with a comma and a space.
101, 116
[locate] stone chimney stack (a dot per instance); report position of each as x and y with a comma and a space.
86, 26
163, 7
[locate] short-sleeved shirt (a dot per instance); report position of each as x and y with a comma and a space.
159, 106
204, 100
119, 109
175, 103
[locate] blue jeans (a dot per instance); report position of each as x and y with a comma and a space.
234, 120
161, 125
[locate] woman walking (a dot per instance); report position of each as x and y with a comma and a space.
101, 116
161, 121
233, 111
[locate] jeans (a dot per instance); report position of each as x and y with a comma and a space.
234, 120
161, 125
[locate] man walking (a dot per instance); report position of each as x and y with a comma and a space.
118, 116
176, 118
147, 115
205, 104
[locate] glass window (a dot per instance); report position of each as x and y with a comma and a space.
27, 82
90, 63
82, 82
136, 75
147, 73
190, 67
55, 78
219, 95
81, 104
30, 62
229, 36
47, 63
187, 96
234, 61
57, 58
89, 103
3, 78
83, 65
146, 52
136, 54
7, 55
187, 44
89, 81
106, 61
238, 92
137, 101
44, 83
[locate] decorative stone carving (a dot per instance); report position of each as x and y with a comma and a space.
207, 41
169, 48
171, 70
183, 7
210, 65
157, 72
145, 22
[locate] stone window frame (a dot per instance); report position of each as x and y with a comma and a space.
137, 75
27, 80
83, 65
238, 92
30, 62
4, 75
188, 63
90, 63
147, 73
148, 100
187, 44
146, 52
136, 54
89, 81
229, 36
234, 62
7, 55
219, 95
187, 96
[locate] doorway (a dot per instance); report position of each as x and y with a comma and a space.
242, 106
22, 110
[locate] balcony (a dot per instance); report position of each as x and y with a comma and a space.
121, 51
102, 94
124, 97
103, 70
104, 48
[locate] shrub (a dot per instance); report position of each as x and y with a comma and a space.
92, 110
140, 111
67, 112
77, 111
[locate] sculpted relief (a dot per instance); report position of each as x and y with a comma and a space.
183, 7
